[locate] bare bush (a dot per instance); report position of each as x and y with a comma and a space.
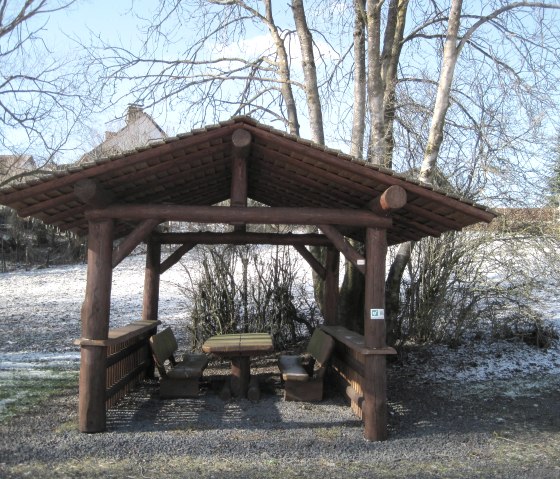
478, 283
249, 289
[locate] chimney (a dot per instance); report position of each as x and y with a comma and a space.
133, 113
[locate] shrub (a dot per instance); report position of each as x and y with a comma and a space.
249, 289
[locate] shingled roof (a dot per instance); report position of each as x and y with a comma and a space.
283, 171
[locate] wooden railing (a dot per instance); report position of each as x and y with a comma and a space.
129, 359
348, 363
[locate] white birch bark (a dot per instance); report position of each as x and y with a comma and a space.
450, 54
283, 72
375, 89
309, 73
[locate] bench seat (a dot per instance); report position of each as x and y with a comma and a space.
180, 378
292, 369
191, 366
303, 375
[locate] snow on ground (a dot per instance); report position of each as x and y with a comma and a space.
40, 319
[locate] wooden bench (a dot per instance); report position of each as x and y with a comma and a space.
181, 378
303, 375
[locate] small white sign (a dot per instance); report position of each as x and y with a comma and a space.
377, 313
361, 262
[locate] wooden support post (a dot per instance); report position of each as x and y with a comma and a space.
95, 325
240, 375
375, 386
151, 282
331, 287
241, 140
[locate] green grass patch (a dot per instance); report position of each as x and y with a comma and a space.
21, 390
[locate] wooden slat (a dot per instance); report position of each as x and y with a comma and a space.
119, 335
119, 162
355, 341
355, 167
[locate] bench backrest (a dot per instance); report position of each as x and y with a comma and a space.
163, 346
320, 346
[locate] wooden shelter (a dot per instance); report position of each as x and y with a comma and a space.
124, 197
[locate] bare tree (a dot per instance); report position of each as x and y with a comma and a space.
456, 94
39, 102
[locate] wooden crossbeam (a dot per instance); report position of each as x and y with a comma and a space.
257, 215
136, 236
311, 260
344, 247
309, 239
174, 257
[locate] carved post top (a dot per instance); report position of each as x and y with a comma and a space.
241, 138
92, 193
393, 198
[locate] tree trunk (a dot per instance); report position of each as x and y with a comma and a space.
309, 73
450, 54
351, 298
393, 289
283, 72
360, 98
435, 139
392, 46
375, 89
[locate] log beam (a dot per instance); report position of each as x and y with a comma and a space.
136, 236
92, 193
243, 238
344, 247
257, 215
311, 260
393, 198
175, 257
241, 140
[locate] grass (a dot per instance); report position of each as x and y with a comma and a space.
23, 390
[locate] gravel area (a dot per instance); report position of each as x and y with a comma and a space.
436, 430
448, 418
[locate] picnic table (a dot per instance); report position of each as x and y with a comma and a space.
239, 348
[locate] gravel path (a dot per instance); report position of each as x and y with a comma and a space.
447, 417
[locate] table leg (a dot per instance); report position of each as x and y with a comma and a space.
240, 374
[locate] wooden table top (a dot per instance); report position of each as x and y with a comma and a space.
249, 344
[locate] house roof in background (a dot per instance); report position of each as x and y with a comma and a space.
140, 129
283, 171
